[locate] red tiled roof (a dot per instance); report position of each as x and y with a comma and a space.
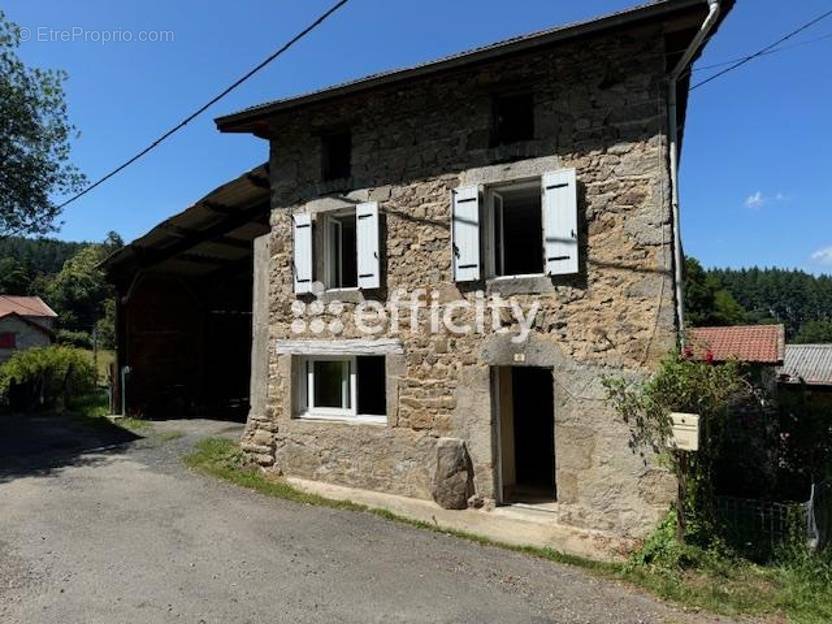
745, 343
24, 306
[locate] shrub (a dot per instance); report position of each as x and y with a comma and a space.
78, 339
45, 377
682, 385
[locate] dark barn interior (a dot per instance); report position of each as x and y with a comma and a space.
184, 307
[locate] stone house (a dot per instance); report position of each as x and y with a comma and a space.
25, 322
538, 170
435, 270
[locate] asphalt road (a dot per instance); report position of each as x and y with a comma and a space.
128, 534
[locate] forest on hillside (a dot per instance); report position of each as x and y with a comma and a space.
799, 300
67, 277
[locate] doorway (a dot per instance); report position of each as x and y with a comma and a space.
526, 434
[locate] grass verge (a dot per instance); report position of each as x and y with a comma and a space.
799, 587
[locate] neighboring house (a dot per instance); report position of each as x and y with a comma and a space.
759, 346
536, 168
25, 322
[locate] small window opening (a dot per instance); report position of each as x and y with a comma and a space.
8, 340
342, 251
513, 118
337, 155
518, 230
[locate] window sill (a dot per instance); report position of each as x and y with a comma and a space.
507, 285
350, 420
346, 295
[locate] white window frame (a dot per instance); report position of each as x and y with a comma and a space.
493, 209
305, 381
331, 220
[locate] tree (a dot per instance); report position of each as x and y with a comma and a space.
14, 277
707, 303
34, 141
79, 292
814, 331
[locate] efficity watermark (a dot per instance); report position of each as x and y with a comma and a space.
417, 312
80, 34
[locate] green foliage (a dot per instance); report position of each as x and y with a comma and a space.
791, 297
69, 338
681, 385
815, 331
45, 377
34, 141
707, 303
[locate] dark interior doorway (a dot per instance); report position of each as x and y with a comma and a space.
527, 440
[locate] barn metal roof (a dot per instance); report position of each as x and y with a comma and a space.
25, 306
246, 119
810, 364
215, 231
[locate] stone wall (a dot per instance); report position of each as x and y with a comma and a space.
26, 336
600, 108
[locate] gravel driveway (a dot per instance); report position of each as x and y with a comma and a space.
128, 534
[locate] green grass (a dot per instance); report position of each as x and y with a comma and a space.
799, 588
105, 358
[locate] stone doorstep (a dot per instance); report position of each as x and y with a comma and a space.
518, 526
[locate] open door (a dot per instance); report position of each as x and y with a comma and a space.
526, 433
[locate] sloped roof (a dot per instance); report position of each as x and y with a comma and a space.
807, 363
24, 306
764, 344
653, 11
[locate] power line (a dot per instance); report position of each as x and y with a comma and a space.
210, 103
773, 51
762, 51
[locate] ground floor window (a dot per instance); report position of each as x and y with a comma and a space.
342, 387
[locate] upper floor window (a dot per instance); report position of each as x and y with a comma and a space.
515, 244
337, 155
529, 227
340, 250
344, 250
8, 340
513, 118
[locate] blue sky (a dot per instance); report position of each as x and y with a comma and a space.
756, 166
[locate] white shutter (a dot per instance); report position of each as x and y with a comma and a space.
302, 261
465, 233
367, 239
560, 222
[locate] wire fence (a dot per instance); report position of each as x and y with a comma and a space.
759, 527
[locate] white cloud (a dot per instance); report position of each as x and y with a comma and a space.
760, 199
823, 256
755, 201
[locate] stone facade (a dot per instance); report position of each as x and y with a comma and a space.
26, 335
600, 107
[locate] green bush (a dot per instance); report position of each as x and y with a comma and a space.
78, 339
45, 378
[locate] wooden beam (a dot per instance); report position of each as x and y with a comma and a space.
195, 258
238, 219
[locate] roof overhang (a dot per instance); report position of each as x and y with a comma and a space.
252, 120
215, 233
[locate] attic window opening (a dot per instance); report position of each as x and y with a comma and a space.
513, 118
337, 155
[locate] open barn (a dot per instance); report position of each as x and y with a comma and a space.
184, 307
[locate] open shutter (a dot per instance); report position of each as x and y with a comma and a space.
302, 261
465, 233
560, 222
367, 235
